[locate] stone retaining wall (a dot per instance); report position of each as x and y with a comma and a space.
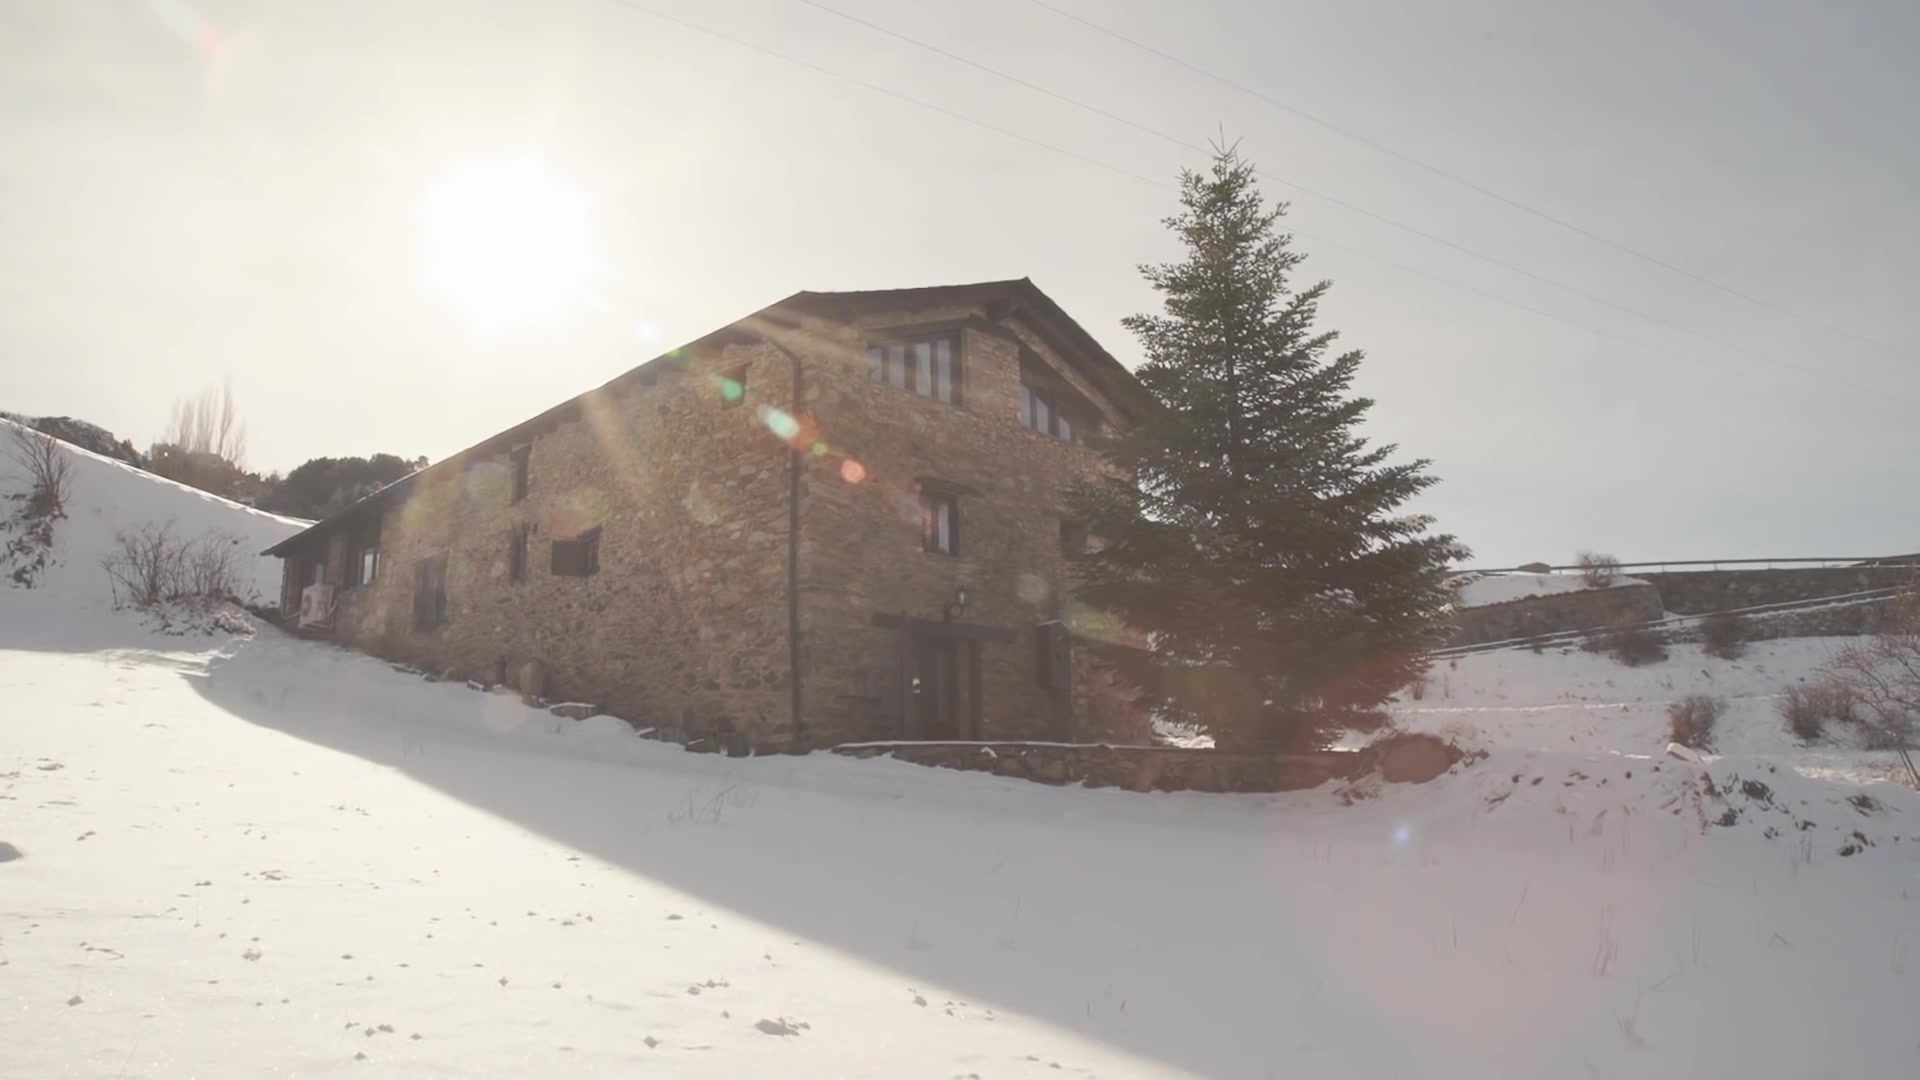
1556, 613
1839, 620
1695, 592
1134, 768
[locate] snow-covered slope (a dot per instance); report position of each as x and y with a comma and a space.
281, 858
1565, 699
109, 496
1479, 590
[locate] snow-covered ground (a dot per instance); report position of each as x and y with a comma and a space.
254, 856
1479, 590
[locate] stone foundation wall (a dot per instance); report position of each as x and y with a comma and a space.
1134, 768
1556, 612
1695, 592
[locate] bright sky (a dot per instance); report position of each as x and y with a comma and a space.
403, 226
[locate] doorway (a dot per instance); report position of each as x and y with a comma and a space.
933, 687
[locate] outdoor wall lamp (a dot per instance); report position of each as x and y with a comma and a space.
959, 605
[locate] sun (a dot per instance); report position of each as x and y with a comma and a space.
509, 243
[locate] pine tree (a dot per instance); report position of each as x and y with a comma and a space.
1259, 541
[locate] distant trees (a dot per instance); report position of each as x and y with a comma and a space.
204, 445
80, 433
322, 485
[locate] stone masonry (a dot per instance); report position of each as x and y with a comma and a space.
684, 624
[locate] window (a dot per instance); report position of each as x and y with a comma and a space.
940, 522
517, 553
927, 366
363, 560
733, 387
578, 557
1053, 412
430, 593
1073, 538
522, 458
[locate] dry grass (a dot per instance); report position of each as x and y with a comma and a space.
1692, 719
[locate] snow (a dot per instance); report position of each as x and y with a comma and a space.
109, 496
1480, 590
256, 855
1567, 699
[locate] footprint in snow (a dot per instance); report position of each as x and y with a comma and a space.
782, 1026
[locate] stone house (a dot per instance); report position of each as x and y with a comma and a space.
838, 519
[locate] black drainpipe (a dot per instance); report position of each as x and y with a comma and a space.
796, 456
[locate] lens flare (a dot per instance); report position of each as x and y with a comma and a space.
1401, 835
780, 422
852, 471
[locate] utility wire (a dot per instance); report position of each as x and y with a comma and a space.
1175, 140
1468, 184
820, 69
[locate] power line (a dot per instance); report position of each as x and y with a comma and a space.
1352, 207
1469, 184
820, 69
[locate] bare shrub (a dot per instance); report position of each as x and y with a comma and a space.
1882, 673
1632, 644
28, 527
1724, 634
210, 567
1596, 569
48, 471
1808, 710
1692, 719
143, 566
151, 565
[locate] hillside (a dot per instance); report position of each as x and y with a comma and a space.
256, 855
109, 497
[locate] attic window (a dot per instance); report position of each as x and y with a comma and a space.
927, 366
1050, 409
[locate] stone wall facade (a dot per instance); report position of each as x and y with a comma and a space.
684, 625
863, 553
1556, 613
1695, 592
1132, 768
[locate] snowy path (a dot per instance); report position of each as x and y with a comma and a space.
293, 860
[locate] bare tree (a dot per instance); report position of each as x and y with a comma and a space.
48, 471
1597, 569
1882, 673
205, 444
209, 423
